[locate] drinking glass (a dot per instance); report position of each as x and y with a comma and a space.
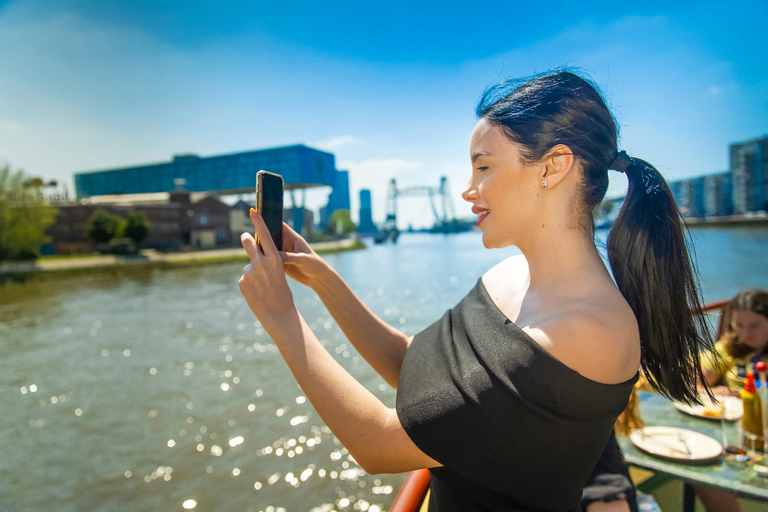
740, 447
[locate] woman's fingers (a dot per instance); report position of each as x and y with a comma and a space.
292, 241
250, 246
262, 233
289, 229
292, 258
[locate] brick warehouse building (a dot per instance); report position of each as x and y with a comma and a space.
196, 217
178, 219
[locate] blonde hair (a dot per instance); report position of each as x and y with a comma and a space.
630, 419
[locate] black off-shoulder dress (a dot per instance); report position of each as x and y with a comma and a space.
514, 428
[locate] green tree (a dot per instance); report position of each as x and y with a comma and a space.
24, 215
137, 227
102, 226
340, 223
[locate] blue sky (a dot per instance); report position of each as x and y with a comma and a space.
388, 87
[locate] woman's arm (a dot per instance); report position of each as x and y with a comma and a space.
366, 427
715, 365
711, 377
380, 344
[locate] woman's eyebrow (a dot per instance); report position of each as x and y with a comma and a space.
478, 154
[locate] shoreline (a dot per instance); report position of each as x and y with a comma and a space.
727, 222
22, 272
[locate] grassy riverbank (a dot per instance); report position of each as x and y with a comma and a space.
57, 267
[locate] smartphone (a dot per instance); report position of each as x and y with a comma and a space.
269, 204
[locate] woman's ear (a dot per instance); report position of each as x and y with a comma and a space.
557, 164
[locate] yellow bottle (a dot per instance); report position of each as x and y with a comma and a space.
752, 421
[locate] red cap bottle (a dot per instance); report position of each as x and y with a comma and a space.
749, 384
752, 420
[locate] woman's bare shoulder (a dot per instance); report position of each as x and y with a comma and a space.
514, 267
585, 323
595, 335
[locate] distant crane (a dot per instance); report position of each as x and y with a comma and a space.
446, 223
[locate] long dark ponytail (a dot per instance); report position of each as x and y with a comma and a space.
646, 246
651, 266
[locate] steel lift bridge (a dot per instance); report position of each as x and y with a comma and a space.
445, 223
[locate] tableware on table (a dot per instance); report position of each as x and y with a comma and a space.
677, 444
754, 444
738, 448
727, 407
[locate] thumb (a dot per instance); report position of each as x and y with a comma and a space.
292, 258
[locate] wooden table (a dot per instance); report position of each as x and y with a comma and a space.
739, 479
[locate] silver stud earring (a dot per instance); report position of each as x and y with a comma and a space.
543, 183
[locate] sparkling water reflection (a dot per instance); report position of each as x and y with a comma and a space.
160, 390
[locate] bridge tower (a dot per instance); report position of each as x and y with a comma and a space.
445, 223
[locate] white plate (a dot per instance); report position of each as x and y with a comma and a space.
677, 444
731, 408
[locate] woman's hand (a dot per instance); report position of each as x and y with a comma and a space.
725, 391
263, 282
300, 262
380, 344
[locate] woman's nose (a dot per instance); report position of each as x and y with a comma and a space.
469, 193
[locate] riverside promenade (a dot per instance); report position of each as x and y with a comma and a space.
148, 258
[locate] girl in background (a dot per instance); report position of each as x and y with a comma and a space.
743, 343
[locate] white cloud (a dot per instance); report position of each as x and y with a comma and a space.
335, 143
378, 167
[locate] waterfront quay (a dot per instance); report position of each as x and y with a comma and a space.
149, 258
732, 221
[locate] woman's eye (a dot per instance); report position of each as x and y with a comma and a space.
482, 168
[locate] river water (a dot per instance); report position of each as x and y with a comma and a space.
158, 390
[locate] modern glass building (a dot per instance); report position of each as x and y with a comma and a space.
749, 165
718, 198
366, 215
339, 197
741, 190
301, 167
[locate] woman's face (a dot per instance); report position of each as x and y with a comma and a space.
751, 328
502, 188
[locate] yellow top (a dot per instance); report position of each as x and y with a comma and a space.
732, 371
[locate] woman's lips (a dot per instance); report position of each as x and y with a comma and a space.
481, 213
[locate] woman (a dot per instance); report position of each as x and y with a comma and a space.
510, 398
743, 343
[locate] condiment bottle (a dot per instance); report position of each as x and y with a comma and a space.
752, 420
762, 369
